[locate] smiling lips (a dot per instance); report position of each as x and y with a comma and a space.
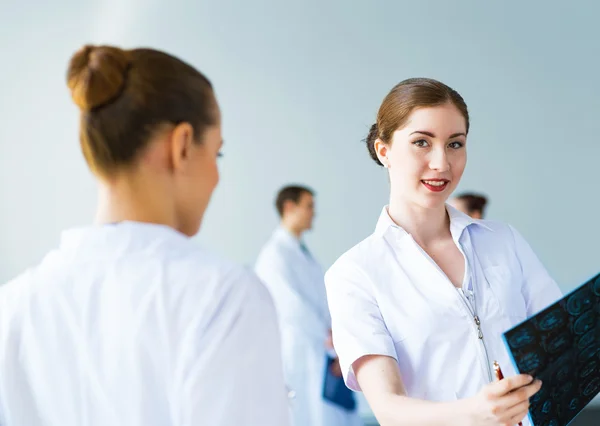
435, 185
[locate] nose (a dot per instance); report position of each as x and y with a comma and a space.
439, 160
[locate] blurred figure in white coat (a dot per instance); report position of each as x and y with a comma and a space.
318, 396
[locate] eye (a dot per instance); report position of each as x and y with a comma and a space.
421, 143
456, 145
220, 154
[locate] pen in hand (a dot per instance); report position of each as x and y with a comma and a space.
500, 376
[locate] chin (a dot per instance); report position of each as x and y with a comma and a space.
433, 201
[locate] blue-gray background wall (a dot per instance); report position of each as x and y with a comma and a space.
299, 84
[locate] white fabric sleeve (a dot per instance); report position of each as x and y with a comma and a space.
235, 375
357, 323
538, 288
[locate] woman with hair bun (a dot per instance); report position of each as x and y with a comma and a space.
128, 322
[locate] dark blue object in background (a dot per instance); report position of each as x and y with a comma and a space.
335, 390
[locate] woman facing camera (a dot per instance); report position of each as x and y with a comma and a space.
418, 308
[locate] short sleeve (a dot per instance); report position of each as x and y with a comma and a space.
357, 324
538, 288
235, 372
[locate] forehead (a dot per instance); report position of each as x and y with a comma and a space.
212, 135
305, 198
446, 119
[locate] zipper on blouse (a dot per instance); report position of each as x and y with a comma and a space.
471, 311
470, 305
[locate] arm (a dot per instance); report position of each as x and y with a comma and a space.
358, 327
382, 386
538, 288
501, 403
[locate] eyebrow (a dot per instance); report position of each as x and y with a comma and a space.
431, 135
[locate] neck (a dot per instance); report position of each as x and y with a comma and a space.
131, 197
424, 224
292, 229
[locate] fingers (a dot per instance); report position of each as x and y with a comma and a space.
517, 412
509, 384
523, 394
518, 418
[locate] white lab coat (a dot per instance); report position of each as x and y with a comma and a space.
133, 324
295, 280
388, 297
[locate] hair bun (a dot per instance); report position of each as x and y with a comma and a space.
97, 75
370, 141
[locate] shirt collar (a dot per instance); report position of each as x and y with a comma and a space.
283, 234
459, 221
127, 235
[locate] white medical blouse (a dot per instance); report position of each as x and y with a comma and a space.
387, 297
133, 324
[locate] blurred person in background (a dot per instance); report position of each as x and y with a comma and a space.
295, 280
470, 203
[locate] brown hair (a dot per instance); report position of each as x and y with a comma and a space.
291, 193
402, 100
473, 202
126, 95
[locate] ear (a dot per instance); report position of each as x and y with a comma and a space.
382, 149
182, 138
287, 205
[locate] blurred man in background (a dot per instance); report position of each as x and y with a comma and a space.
318, 396
471, 204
